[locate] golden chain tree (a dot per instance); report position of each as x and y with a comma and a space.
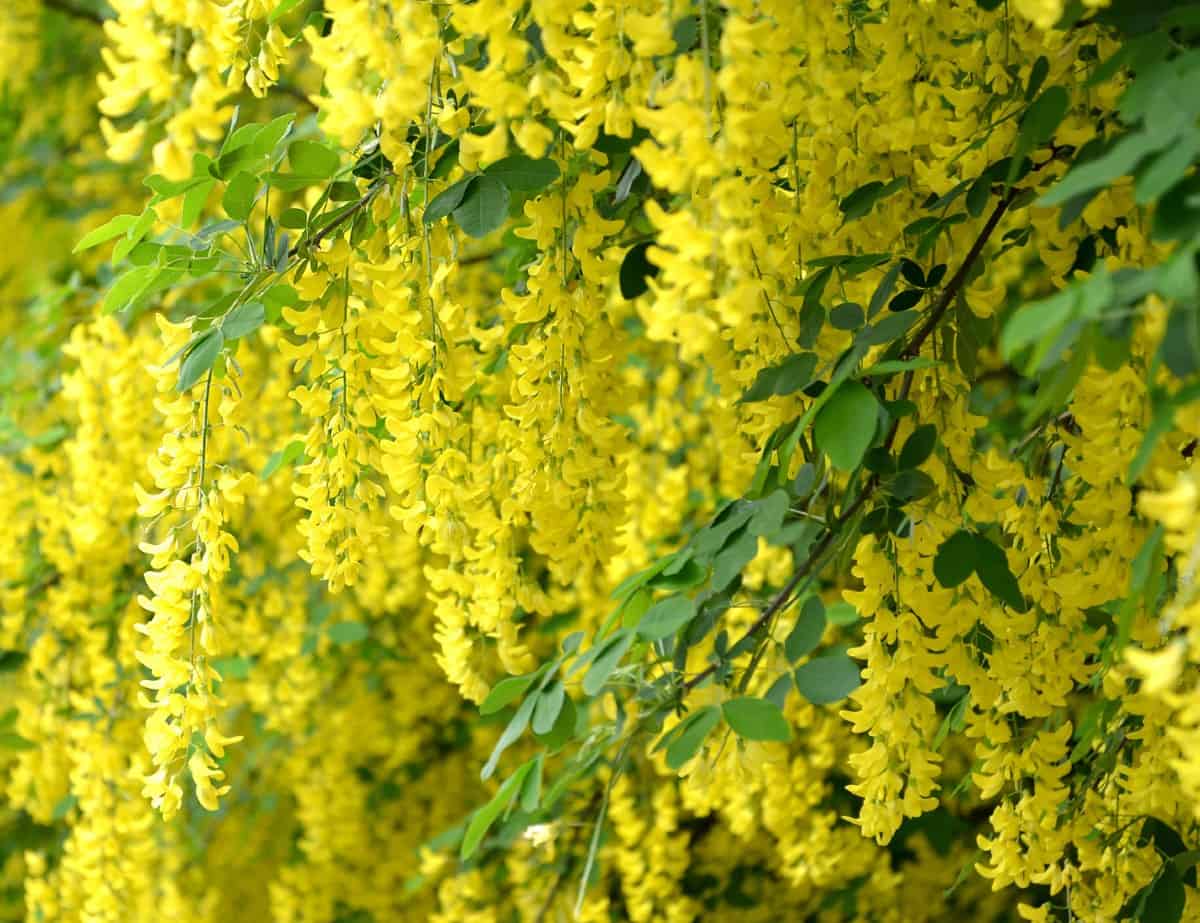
656, 460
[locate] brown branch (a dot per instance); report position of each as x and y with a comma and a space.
67, 8
953, 287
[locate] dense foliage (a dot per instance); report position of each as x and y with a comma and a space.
653, 460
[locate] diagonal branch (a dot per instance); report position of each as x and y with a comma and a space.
810, 563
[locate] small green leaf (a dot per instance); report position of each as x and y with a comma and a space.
282, 8
768, 515
845, 427
841, 614
1165, 901
447, 200
756, 719
688, 736
635, 270
666, 617
484, 207
482, 820
114, 227
524, 174
991, 564
606, 660
285, 456
549, 704
955, 559
312, 160
194, 201
347, 632
828, 679
200, 358
564, 727
238, 200
860, 202
918, 446
243, 320
847, 316
1038, 125
129, 288
531, 788
732, 558
806, 634
511, 734
507, 690
10, 741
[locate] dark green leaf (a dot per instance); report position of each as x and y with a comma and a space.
905, 300
955, 559
918, 446
864, 198
847, 316
1166, 899
524, 174
484, 207
635, 270
447, 200
991, 565
884, 290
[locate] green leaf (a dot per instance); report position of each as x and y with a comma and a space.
347, 632
524, 174
845, 427
484, 207
1120, 159
312, 160
666, 617
114, 227
828, 679
511, 734
200, 358
194, 201
564, 727
635, 270
847, 316
531, 789
918, 446
243, 320
884, 290
688, 736
1165, 901
1038, 125
732, 558
507, 690
607, 657
860, 202
282, 8
285, 456
238, 200
1140, 572
789, 376
806, 634
447, 200
955, 559
991, 565
11, 741
549, 704
482, 820
841, 614
129, 289
768, 514
756, 719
